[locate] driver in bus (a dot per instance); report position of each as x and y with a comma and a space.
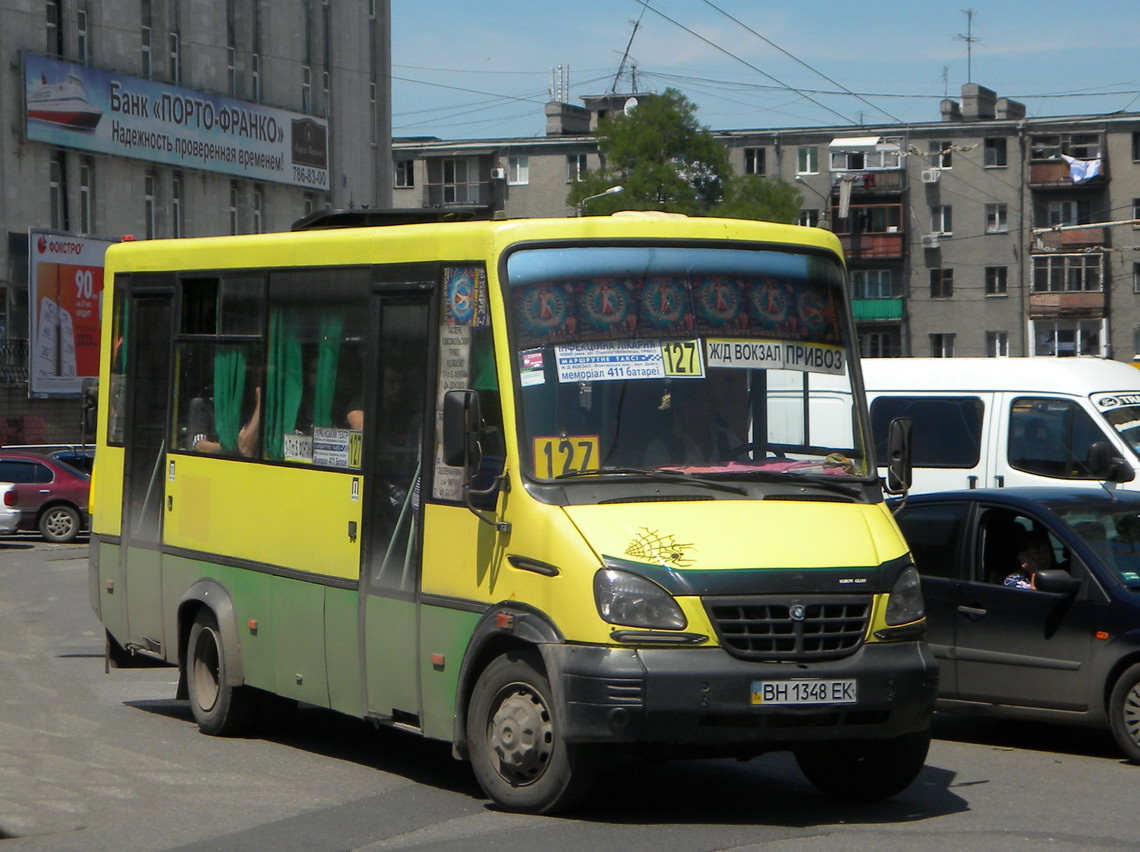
698, 433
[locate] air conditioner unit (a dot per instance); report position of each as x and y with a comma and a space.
498, 174
931, 175
930, 241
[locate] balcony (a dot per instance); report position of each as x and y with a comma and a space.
461, 194
1054, 174
877, 310
872, 246
13, 362
876, 182
1077, 304
1078, 238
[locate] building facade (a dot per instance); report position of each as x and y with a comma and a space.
981, 233
173, 118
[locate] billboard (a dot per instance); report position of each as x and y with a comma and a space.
75, 106
64, 298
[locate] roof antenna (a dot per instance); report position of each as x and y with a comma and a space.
969, 38
625, 56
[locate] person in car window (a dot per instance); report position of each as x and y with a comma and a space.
1034, 554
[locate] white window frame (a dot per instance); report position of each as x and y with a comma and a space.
150, 204
809, 217
1067, 212
1068, 273
997, 281
941, 154
576, 166
995, 148
405, 174
872, 284
86, 194
941, 220
807, 160
518, 170
997, 344
177, 184
942, 344
755, 161
997, 218
1050, 337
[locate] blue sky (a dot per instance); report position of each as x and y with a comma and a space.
475, 69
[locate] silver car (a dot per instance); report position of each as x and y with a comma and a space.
9, 511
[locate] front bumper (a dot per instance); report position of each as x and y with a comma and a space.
702, 697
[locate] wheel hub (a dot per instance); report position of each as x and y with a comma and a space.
521, 735
1132, 712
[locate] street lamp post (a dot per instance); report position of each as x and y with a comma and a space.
613, 190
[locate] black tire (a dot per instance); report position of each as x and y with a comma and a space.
865, 770
1124, 712
514, 743
59, 524
219, 709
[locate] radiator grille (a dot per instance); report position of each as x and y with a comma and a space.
766, 628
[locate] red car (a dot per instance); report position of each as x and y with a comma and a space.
51, 495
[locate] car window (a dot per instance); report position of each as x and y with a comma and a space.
935, 533
1051, 437
947, 430
21, 472
1013, 546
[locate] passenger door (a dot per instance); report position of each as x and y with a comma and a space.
951, 437
1015, 646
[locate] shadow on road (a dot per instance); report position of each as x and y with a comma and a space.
1024, 735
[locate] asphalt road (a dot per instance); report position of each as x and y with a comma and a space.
90, 760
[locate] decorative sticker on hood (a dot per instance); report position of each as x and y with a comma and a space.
663, 548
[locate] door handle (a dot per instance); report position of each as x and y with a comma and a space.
974, 613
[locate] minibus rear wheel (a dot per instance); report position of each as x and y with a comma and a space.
219, 709
1124, 712
865, 770
514, 742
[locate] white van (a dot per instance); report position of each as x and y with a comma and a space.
995, 422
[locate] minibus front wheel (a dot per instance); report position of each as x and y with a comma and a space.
865, 770
515, 744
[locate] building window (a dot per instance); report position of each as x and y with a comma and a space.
942, 283
997, 344
858, 161
872, 284
941, 221
1136, 277
1067, 337
940, 155
453, 180
880, 344
309, 205
149, 205
82, 32
809, 217
54, 28
575, 167
1050, 146
997, 280
518, 170
233, 208
373, 114
57, 190
147, 22
405, 173
258, 210
1067, 273
86, 190
255, 51
174, 42
1136, 212
942, 345
754, 161
997, 219
807, 160
1135, 147
995, 152
306, 89
255, 77
1069, 212
176, 182
231, 46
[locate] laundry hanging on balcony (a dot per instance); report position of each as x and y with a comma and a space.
1082, 170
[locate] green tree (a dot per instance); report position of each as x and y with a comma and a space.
665, 160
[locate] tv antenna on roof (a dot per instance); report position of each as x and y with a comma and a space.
969, 38
625, 56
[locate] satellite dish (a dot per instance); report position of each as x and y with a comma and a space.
630, 104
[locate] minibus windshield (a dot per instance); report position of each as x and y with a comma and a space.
715, 362
1125, 419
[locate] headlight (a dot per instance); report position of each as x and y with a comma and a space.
633, 601
905, 604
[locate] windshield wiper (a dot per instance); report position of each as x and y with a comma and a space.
825, 482
658, 475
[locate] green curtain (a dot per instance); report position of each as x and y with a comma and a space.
331, 333
285, 379
229, 391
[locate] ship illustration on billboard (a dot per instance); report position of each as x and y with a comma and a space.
64, 104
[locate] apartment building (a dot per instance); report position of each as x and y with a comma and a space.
171, 118
984, 232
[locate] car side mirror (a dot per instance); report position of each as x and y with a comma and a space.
461, 428
1057, 581
899, 435
1105, 464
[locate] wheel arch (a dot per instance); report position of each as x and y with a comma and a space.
211, 595
56, 503
504, 627
1119, 666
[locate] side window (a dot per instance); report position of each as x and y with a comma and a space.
1051, 437
17, 471
218, 365
935, 535
118, 373
947, 430
314, 377
1014, 547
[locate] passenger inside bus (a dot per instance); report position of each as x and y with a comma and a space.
697, 432
202, 427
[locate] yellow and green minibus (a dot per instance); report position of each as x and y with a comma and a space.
548, 490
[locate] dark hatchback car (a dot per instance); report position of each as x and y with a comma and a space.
1066, 649
51, 495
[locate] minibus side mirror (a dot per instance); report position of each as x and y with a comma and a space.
89, 406
1104, 464
898, 455
461, 428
